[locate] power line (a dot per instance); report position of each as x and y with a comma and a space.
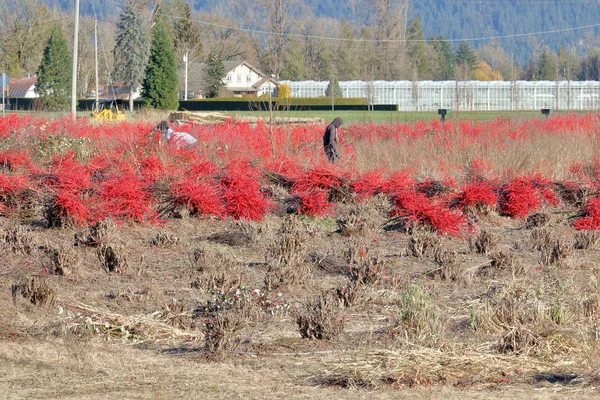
361, 40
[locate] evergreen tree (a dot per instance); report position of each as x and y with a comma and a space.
546, 67
54, 73
465, 59
446, 58
214, 72
333, 88
590, 67
159, 87
132, 48
416, 49
187, 35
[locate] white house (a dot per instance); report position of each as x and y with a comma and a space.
243, 78
22, 88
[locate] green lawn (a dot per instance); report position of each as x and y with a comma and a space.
349, 117
386, 117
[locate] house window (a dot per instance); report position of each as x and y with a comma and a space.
229, 78
239, 78
248, 78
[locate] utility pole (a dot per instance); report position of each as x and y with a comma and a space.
74, 78
96, 56
185, 58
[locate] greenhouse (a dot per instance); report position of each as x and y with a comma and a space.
463, 95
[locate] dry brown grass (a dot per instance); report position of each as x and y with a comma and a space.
524, 156
203, 308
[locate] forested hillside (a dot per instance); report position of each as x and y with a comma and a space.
514, 21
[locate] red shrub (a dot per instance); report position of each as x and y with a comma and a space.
72, 207
12, 188
152, 168
202, 169
313, 202
590, 219
242, 194
519, 198
124, 196
201, 197
13, 160
477, 194
368, 184
416, 207
323, 177
398, 182
11, 185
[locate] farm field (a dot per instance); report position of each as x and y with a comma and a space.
455, 260
350, 117
399, 117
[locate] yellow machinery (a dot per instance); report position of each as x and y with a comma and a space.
109, 110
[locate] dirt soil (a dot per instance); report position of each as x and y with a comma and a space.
306, 308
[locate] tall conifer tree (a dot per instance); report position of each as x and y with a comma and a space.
159, 87
54, 73
132, 47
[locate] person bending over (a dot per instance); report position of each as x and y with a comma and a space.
179, 139
330, 139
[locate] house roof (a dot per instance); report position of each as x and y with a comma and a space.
260, 82
18, 87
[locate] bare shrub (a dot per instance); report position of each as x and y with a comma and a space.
164, 239
64, 260
507, 261
541, 238
591, 306
198, 259
421, 241
321, 318
223, 315
586, 240
55, 215
556, 253
348, 294
289, 246
105, 231
112, 257
351, 225
509, 306
286, 255
448, 267
518, 340
537, 220
221, 332
19, 240
367, 272
36, 292
485, 242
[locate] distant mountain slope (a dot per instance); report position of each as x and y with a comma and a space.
509, 20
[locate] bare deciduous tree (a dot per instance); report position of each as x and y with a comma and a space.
25, 31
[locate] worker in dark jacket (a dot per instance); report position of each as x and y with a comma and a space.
330, 140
